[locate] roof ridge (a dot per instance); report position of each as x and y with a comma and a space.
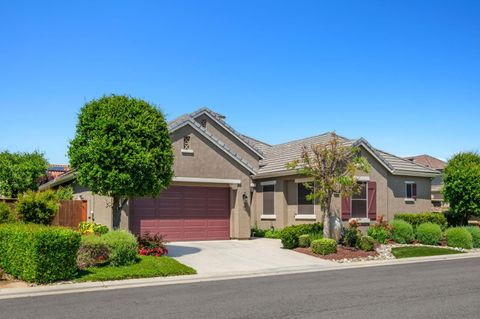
256, 140
406, 160
310, 137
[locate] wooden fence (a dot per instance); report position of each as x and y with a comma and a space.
71, 213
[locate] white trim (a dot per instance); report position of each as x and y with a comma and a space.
230, 131
304, 180
206, 180
409, 182
267, 183
270, 217
361, 220
306, 216
184, 151
362, 178
409, 200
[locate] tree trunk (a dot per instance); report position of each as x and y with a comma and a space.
332, 225
116, 212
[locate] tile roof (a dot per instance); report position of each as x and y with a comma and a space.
427, 161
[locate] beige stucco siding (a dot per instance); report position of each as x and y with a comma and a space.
397, 193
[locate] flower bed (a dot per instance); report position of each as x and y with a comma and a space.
343, 254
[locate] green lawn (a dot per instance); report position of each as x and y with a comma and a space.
407, 252
148, 266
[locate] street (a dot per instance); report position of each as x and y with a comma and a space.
442, 289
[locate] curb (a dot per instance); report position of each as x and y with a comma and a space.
67, 288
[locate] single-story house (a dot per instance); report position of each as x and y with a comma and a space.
226, 182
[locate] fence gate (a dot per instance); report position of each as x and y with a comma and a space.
71, 213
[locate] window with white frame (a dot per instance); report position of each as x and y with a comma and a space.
268, 191
359, 202
305, 206
410, 190
186, 142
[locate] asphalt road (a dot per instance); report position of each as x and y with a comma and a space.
444, 289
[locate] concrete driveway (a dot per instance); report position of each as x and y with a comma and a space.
237, 256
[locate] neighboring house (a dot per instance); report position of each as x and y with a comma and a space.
226, 182
53, 171
437, 182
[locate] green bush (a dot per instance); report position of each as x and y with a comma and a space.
324, 246
402, 232
459, 237
315, 236
289, 235
37, 207
304, 240
64, 193
122, 246
37, 253
367, 243
257, 232
352, 235
422, 218
7, 214
93, 252
86, 228
380, 233
273, 233
475, 232
429, 234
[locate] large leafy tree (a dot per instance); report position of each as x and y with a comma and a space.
20, 172
461, 189
122, 149
333, 167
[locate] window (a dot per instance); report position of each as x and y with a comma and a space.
410, 190
268, 199
304, 206
359, 202
203, 123
186, 142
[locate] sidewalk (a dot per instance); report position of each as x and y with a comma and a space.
63, 288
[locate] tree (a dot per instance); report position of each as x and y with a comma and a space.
122, 149
20, 172
333, 167
461, 186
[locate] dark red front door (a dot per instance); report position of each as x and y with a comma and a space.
184, 213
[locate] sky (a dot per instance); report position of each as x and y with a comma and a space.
405, 75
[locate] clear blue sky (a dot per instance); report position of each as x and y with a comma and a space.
405, 75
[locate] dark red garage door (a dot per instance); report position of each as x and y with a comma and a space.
184, 213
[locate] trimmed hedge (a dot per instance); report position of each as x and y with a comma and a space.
367, 243
289, 235
324, 246
123, 247
459, 237
475, 232
304, 240
7, 214
39, 254
429, 234
421, 218
402, 232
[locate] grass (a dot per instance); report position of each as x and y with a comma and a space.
408, 252
147, 266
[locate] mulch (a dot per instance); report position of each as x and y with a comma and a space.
342, 253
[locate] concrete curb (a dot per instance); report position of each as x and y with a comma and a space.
9, 293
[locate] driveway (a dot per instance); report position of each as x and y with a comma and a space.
234, 256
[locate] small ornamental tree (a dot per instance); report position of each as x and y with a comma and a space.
333, 167
20, 172
461, 186
122, 149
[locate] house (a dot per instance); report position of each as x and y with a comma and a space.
437, 182
226, 182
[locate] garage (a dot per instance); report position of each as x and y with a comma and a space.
183, 213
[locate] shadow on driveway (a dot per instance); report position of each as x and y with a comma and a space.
178, 251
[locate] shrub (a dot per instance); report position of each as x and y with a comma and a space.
289, 235
7, 214
122, 246
37, 253
86, 228
314, 236
149, 245
380, 231
64, 193
37, 207
429, 234
402, 232
422, 218
459, 237
324, 246
475, 232
304, 240
273, 233
352, 234
367, 243
93, 252
257, 232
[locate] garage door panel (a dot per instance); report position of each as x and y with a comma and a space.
184, 213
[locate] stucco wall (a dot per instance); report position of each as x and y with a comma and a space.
396, 195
